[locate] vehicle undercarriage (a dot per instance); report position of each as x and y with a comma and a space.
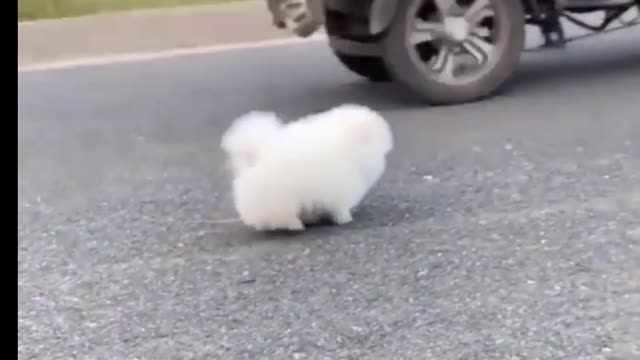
447, 51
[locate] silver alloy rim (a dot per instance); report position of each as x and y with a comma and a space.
461, 46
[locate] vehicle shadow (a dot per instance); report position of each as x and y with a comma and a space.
538, 71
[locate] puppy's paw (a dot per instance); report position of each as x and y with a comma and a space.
342, 217
260, 227
295, 225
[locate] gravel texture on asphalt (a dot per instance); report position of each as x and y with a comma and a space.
506, 229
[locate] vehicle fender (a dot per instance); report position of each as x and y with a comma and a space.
316, 8
381, 14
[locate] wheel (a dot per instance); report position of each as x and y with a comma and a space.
341, 25
372, 68
454, 51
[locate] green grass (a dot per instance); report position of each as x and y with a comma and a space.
47, 9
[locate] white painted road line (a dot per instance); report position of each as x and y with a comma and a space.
167, 54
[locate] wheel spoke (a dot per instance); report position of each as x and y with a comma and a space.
444, 6
482, 32
424, 31
477, 18
478, 48
476, 9
445, 64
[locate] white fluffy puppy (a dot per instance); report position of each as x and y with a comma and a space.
286, 175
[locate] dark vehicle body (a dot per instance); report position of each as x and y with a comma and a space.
446, 51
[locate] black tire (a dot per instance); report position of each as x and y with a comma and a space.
372, 68
402, 66
339, 25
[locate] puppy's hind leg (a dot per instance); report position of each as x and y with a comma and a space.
341, 216
295, 224
287, 219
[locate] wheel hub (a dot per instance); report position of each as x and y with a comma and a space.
457, 28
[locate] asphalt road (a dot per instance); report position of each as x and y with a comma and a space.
506, 229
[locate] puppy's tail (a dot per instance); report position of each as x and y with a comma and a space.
247, 136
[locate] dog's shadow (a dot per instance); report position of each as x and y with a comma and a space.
323, 225
538, 71
381, 211
316, 229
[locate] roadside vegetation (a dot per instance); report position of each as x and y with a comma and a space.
47, 9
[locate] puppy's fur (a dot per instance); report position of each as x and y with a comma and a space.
286, 175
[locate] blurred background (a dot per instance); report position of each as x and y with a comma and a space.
47, 9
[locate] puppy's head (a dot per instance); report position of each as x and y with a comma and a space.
246, 138
364, 128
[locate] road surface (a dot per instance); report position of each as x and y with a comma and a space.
505, 229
